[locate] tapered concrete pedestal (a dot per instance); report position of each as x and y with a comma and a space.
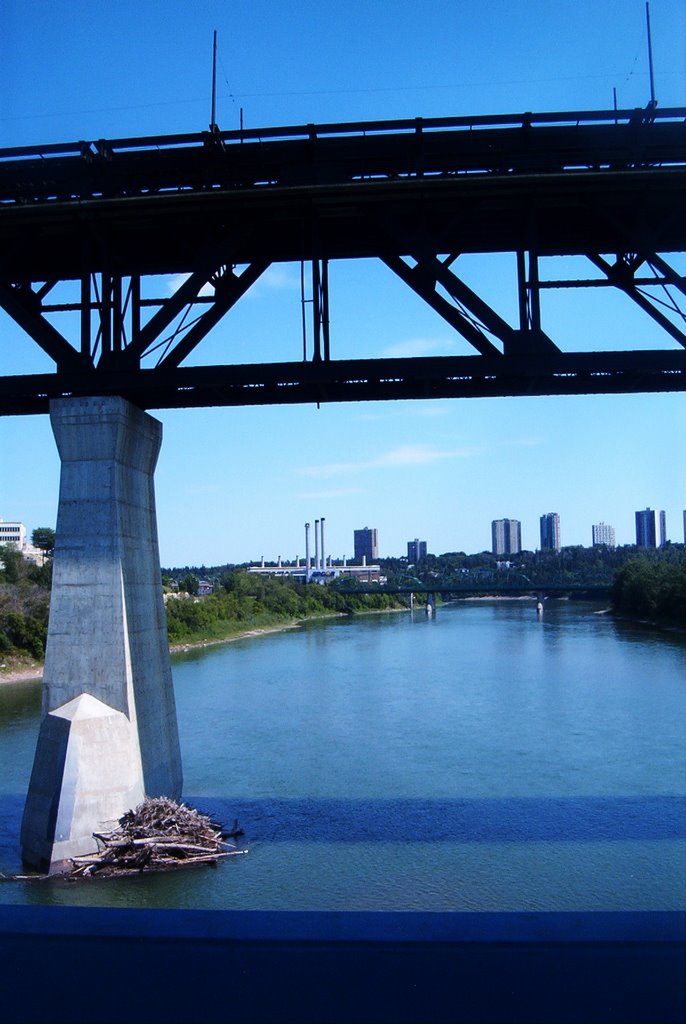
108, 734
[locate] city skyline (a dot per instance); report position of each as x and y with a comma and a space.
505, 538
232, 483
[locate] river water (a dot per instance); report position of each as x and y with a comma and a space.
484, 759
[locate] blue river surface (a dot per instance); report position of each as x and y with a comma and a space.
484, 759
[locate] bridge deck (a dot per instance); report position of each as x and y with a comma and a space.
103, 216
589, 181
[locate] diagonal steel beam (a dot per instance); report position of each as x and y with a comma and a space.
228, 291
208, 264
536, 341
670, 275
420, 283
617, 274
29, 317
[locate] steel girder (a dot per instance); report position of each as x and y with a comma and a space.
340, 380
221, 208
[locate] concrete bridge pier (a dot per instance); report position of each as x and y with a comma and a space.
108, 734
430, 605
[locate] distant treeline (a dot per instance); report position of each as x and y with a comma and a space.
652, 589
574, 565
244, 601
645, 584
240, 602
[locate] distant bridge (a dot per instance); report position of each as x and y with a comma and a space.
487, 590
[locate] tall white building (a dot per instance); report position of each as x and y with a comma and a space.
603, 535
506, 536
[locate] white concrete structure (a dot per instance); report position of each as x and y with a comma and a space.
108, 734
603, 535
14, 534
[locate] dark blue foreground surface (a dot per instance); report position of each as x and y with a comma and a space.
77, 965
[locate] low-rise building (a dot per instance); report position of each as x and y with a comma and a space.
14, 534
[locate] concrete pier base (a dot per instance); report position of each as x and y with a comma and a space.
108, 734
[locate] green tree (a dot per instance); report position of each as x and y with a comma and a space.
12, 566
43, 538
189, 583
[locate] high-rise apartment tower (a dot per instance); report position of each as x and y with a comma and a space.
416, 551
506, 536
645, 528
550, 532
366, 544
603, 535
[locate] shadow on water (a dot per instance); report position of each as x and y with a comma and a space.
499, 820
521, 819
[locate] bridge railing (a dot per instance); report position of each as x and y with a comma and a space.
416, 125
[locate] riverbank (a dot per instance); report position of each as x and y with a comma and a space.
21, 669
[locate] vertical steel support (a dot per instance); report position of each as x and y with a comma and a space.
320, 308
534, 294
117, 315
135, 291
529, 293
324, 308
522, 291
316, 300
86, 315
105, 315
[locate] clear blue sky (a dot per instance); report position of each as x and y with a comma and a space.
235, 484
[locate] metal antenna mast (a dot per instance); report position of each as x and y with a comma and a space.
653, 102
213, 122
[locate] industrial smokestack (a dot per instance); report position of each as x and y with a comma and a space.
321, 527
316, 545
307, 552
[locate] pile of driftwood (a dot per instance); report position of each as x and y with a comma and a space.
158, 835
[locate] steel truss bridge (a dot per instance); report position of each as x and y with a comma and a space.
496, 589
218, 208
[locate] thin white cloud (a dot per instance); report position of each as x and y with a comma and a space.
176, 280
395, 458
277, 277
413, 347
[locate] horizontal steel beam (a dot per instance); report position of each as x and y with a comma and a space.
564, 212
358, 380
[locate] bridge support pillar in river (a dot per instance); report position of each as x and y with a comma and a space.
108, 734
